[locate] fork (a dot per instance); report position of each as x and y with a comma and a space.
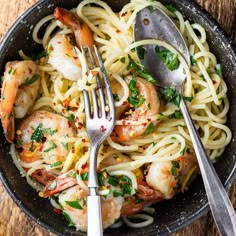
99, 124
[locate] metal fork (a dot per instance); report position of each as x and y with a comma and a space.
99, 124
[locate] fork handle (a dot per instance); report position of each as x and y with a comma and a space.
94, 216
221, 207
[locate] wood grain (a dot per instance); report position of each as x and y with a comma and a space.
12, 220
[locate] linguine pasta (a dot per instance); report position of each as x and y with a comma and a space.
164, 140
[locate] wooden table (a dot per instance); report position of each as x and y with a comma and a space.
15, 222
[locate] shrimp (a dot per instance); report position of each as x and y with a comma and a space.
73, 203
148, 108
63, 57
83, 34
164, 177
19, 91
39, 137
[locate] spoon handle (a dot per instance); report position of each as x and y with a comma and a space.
221, 207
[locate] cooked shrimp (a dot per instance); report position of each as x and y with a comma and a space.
73, 203
83, 34
148, 108
39, 137
63, 56
145, 195
164, 177
19, 91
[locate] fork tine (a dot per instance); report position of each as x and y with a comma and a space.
100, 91
107, 83
95, 104
87, 104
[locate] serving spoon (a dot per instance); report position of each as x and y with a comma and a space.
155, 24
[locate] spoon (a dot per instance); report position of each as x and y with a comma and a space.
157, 25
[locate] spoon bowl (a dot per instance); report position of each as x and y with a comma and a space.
155, 24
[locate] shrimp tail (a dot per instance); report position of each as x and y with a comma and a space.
59, 184
7, 103
83, 34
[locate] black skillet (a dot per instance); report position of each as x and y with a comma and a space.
170, 215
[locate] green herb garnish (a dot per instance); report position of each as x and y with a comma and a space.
175, 166
170, 8
116, 97
171, 95
51, 147
84, 176
31, 80
140, 70
169, 58
58, 163
134, 98
74, 204
149, 129
113, 181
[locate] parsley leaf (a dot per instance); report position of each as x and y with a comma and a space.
51, 147
189, 99
71, 223
171, 8
171, 95
84, 176
74, 204
113, 181
140, 70
30, 81
134, 98
219, 69
140, 52
58, 163
193, 61
38, 134
116, 97
149, 129
175, 166
169, 58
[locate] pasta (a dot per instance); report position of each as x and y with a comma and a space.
149, 156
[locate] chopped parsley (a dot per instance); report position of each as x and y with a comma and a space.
39, 132
113, 181
65, 145
170, 8
70, 222
37, 56
125, 185
134, 98
193, 61
189, 99
176, 115
140, 52
175, 166
74, 204
58, 163
51, 147
171, 95
169, 58
31, 80
71, 118
84, 176
183, 151
116, 97
219, 69
140, 70
149, 129
123, 59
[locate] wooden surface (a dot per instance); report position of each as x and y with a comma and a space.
12, 220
